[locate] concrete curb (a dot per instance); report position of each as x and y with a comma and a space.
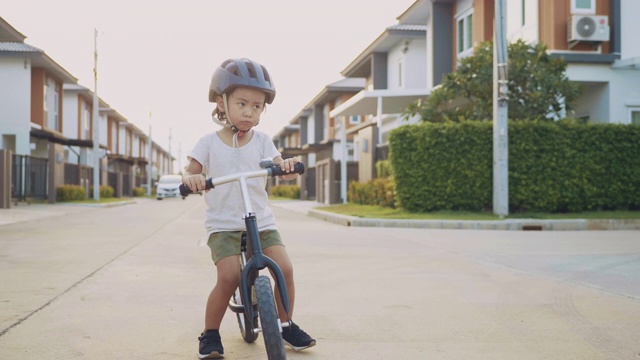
508, 224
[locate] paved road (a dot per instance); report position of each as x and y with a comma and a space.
130, 282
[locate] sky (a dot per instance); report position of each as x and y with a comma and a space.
156, 58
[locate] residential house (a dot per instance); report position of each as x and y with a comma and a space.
46, 123
396, 75
595, 37
314, 136
31, 113
79, 156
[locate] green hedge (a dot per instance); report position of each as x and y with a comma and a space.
380, 191
70, 193
553, 166
286, 191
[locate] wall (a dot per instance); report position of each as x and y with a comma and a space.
415, 71
630, 28
15, 98
623, 89
71, 120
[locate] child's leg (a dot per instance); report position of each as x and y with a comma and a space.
278, 253
228, 270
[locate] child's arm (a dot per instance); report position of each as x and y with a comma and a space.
192, 176
287, 165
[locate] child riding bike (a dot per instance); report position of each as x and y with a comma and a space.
240, 88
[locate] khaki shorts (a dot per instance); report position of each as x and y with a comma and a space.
227, 243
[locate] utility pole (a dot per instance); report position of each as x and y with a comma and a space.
500, 114
170, 169
149, 159
343, 161
96, 122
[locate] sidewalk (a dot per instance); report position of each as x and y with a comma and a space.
314, 209
29, 212
26, 212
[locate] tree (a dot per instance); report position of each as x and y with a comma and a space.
538, 87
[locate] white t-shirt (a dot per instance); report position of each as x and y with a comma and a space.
224, 203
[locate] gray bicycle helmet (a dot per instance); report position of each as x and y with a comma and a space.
241, 72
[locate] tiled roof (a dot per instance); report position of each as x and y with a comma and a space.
18, 47
408, 27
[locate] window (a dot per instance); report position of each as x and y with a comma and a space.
86, 124
583, 6
354, 119
400, 72
465, 33
634, 115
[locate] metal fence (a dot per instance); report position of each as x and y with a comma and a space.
29, 177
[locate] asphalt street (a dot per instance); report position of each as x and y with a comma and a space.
130, 282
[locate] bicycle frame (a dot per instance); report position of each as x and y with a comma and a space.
258, 260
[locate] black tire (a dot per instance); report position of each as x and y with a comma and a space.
269, 319
247, 332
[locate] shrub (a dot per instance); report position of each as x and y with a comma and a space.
70, 193
138, 192
380, 191
106, 191
285, 191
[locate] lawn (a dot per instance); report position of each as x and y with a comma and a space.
379, 212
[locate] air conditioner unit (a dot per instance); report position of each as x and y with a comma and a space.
588, 28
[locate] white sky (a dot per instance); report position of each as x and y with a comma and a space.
158, 56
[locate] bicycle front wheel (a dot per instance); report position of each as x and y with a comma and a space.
269, 319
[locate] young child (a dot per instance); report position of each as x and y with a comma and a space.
240, 88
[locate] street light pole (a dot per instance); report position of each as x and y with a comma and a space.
96, 122
500, 114
149, 167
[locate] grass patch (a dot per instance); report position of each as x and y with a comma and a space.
101, 201
379, 212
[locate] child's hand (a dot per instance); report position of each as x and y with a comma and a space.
287, 165
195, 182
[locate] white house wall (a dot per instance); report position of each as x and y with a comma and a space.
103, 129
415, 71
15, 95
622, 88
122, 139
630, 28
70, 116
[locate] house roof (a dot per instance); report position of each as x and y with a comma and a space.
385, 101
334, 90
38, 59
9, 33
393, 35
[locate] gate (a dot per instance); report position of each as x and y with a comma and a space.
29, 177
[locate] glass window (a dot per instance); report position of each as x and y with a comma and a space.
635, 116
465, 33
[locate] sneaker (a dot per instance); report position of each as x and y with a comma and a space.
210, 345
296, 338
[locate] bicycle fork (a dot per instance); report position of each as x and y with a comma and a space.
259, 261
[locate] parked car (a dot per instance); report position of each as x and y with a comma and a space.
168, 186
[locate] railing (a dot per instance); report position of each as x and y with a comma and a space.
29, 177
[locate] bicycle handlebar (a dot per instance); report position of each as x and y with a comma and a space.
273, 170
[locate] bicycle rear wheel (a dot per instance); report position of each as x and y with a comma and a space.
269, 319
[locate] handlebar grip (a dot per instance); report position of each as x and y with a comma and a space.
184, 189
298, 168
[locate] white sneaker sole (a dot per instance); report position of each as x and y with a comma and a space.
213, 355
299, 348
